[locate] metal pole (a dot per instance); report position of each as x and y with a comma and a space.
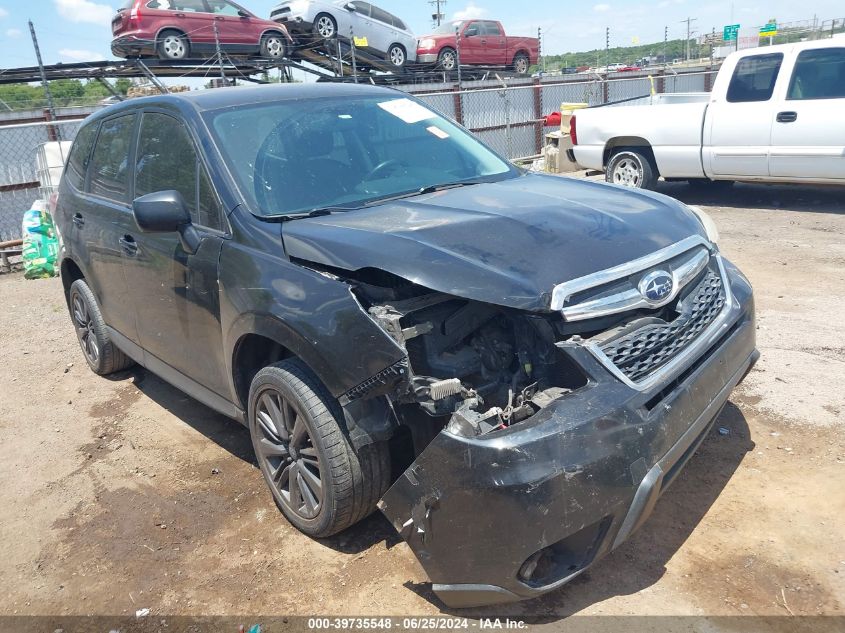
458, 52
339, 56
44, 78
219, 53
354, 65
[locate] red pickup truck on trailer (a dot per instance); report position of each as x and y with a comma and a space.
483, 43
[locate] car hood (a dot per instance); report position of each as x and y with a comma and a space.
506, 243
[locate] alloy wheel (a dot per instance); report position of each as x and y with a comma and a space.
85, 329
397, 56
288, 454
628, 173
325, 27
448, 61
521, 65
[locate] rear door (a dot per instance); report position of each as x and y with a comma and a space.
495, 43
386, 33
808, 131
192, 17
174, 292
102, 217
739, 130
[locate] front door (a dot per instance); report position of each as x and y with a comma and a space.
472, 44
740, 125
235, 31
175, 292
808, 132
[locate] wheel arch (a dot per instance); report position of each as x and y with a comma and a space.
171, 28
275, 31
634, 142
69, 271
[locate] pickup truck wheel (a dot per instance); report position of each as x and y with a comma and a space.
521, 64
102, 355
447, 59
319, 482
631, 168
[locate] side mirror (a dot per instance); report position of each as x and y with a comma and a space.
471, 32
350, 6
243, 13
166, 212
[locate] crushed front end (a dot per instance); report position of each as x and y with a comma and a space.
538, 442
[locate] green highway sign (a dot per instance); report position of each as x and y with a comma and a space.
730, 32
770, 30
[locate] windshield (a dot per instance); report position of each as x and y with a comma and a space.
294, 157
447, 28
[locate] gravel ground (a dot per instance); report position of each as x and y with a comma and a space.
122, 493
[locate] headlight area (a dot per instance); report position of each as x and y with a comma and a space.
707, 222
473, 368
426, 44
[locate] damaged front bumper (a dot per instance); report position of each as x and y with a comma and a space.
519, 512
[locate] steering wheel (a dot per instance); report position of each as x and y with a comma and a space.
381, 168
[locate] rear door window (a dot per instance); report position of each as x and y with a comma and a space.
818, 74
167, 160
77, 162
109, 169
381, 16
754, 78
492, 28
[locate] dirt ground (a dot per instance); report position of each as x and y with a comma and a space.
121, 494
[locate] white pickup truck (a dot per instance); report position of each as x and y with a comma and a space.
776, 114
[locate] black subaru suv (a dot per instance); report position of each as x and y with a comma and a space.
512, 367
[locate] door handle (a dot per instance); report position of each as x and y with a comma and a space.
179, 15
483, 41
128, 244
787, 117
217, 17
78, 220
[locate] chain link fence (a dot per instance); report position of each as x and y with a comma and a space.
20, 177
511, 117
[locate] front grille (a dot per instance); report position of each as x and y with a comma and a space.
639, 353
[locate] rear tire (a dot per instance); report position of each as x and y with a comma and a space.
397, 56
521, 64
325, 26
319, 482
173, 45
102, 355
631, 167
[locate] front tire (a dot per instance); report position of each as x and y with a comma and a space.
102, 355
173, 45
273, 46
319, 482
448, 59
633, 168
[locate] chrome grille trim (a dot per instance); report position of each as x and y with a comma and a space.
706, 339
629, 299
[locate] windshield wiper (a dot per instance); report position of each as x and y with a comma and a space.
315, 213
424, 190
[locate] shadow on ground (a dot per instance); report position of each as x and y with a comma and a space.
819, 199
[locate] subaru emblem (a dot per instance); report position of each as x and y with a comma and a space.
656, 287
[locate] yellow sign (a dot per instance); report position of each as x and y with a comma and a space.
360, 42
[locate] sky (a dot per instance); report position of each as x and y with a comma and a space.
79, 30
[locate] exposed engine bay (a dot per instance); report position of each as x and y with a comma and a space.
473, 367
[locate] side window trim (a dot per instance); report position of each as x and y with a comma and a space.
226, 231
83, 188
130, 160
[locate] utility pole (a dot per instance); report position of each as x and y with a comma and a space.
44, 78
438, 16
689, 22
